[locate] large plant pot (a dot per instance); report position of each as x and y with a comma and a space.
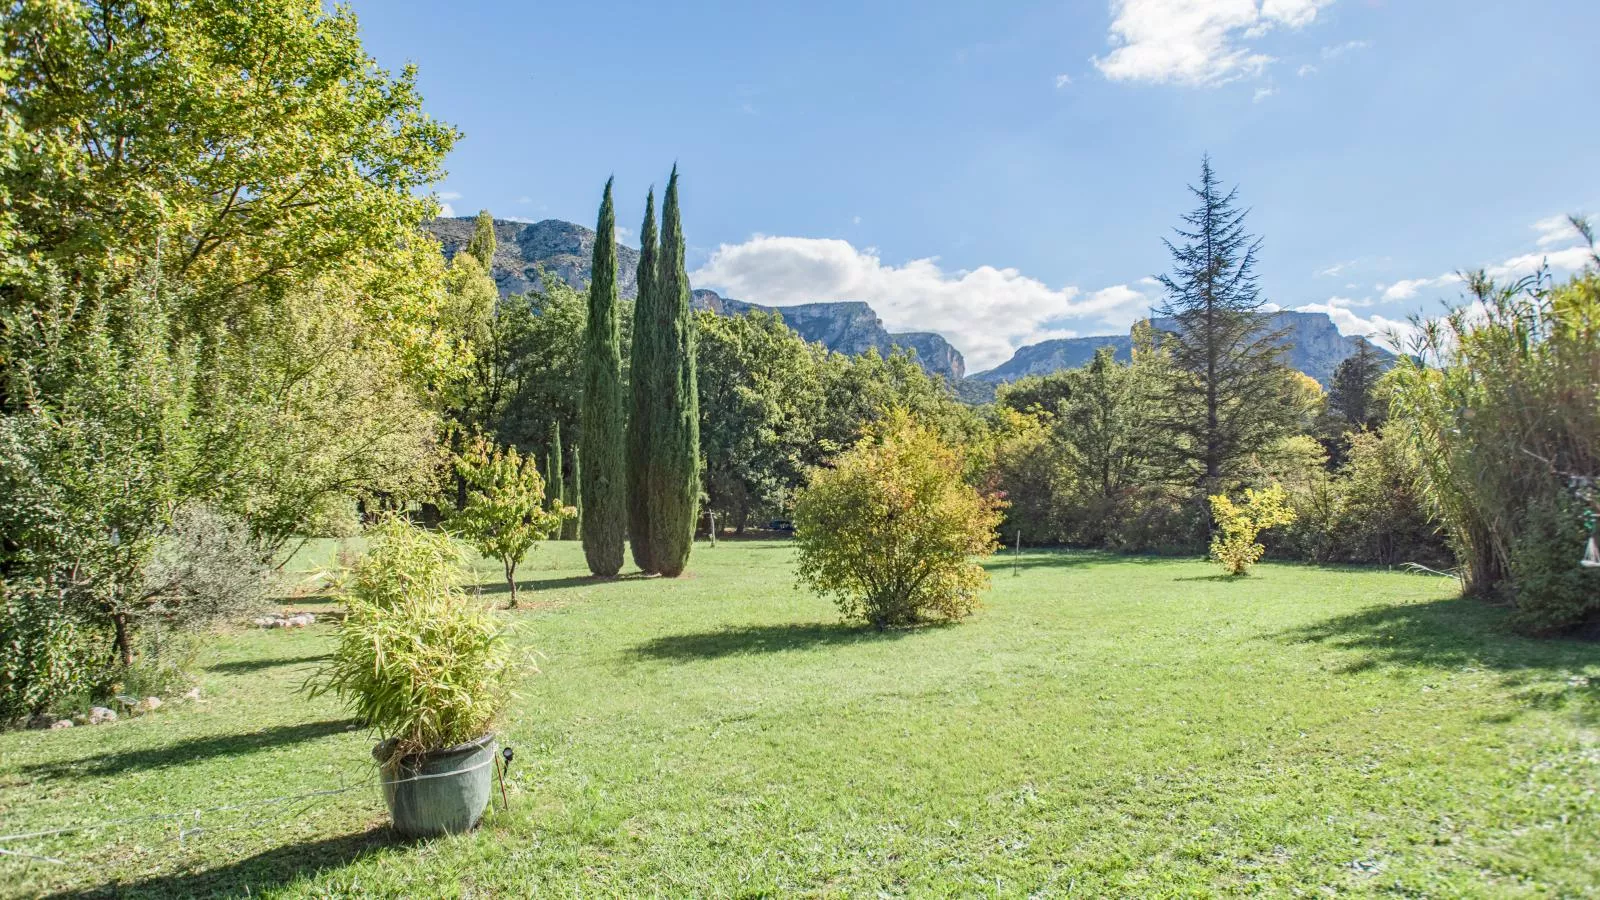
441, 791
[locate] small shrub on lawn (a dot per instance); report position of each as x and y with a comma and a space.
1239, 524
417, 659
891, 530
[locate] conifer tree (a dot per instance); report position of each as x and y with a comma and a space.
482, 243
1229, 395
675, 439
644, 389
572, 527
557, 494
601, 418
1355, 382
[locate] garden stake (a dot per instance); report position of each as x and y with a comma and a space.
505, 754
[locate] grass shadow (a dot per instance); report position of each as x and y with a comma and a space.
1454, 632
189, 751
558, 584
750, 639
245, 666
1221, 577
259, 874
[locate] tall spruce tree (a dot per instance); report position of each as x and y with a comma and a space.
1352, 393
1229, 394
675, 439
482, 243
644, 390
601, 416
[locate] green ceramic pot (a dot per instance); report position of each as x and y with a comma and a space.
440, 791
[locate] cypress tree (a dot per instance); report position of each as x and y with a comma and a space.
643, 391
572, 527
676, 436
602, 488
482, 243
557, 493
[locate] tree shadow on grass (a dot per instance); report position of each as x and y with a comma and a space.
558, 584
1455, 632
259, 874
748, 639
189, 751
245, 666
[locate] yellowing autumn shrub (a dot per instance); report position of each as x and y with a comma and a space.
890, 532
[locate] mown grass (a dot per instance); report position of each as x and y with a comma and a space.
1105, 726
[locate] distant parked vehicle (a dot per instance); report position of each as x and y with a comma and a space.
783, 525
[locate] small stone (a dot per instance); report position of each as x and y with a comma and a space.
192, 695
98, 714
148, 704
61, 723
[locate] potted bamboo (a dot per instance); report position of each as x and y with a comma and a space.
425, 665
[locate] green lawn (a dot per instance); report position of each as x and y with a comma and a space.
1105, 726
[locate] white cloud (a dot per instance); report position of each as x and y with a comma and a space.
1569, 260
855, 220
524, 199
449, 195
1335, 269
1339, 50
986, 312
1062, 81
446, 210
1307, 69
1408, 288
1195, 42
1555, 230
1375, 327
1263, 93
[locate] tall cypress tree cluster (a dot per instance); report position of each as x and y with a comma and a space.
674, 492
644, 390
555, 485
603, 485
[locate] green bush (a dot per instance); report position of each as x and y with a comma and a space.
417, 659
1553, 592
890, 531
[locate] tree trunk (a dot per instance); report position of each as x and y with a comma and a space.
511, 581
124, 643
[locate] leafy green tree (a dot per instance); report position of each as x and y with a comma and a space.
482, 243
891, 529
674, 482
759, 393
644, 388
505, 514
1227, 398
544, 361
201, 134
602, 412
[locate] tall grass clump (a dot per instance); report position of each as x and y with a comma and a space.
1500, 400
417, 659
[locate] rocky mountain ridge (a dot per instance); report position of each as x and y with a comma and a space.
851, 327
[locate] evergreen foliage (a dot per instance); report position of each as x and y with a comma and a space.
675, 438
601, 415
1353, 391
643, 391
1228, 397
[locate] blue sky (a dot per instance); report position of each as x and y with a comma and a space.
1004, 172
